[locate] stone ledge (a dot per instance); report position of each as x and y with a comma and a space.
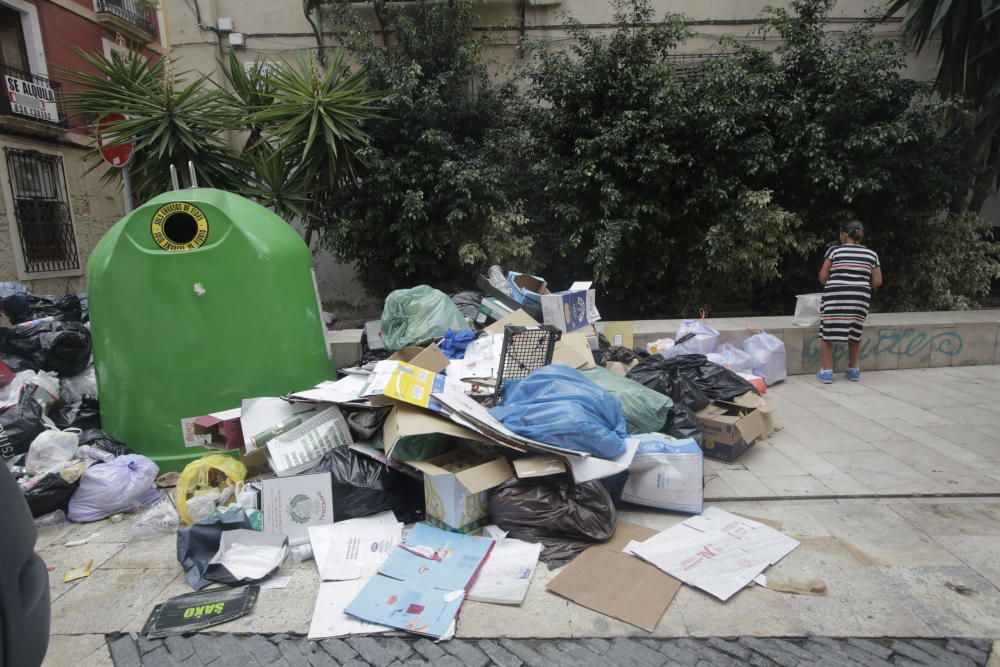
891, 340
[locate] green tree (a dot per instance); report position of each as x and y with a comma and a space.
447, 167
968, 37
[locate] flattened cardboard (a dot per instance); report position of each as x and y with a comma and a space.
408, 420
430, 358
730, 429
538, 466
573, 350
618, 368
458, 501
619, 334
518, 318
611, 582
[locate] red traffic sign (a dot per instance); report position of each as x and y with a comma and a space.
117, 155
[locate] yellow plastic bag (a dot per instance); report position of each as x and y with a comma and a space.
195, 476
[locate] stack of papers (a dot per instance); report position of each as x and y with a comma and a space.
507, 574
717, 552
345, 390
422, 584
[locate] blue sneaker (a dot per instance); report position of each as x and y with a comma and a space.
853, 374
826, 377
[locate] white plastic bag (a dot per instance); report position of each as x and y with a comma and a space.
51, 449
159, 519
702, 341
120, 485
734, 358
768, 355
807, 310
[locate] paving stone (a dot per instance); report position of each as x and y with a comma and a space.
262, 650
317, 657
525, 653
498, 654
147, 645
555, 656
180, 647
206, 648
729, 648
428, 649
124, 652
876, 649
864, 658
398, 649
946, 657
371, 651
467, 652
982, 644
578, 651
771, 650
968, 650
628, 651
338, 649
674, 652
598, 646
355, 663
159, 657
913, 653
705, 652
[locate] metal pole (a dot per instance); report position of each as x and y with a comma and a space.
127, 189
173, 177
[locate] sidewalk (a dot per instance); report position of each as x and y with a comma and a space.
892, 486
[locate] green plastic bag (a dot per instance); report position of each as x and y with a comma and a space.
412, 316
645, 410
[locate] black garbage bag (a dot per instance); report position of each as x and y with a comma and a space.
565, 517
607, 352
369, 355
16, 363
61, 347
682, 423
468, 303
49, 494
19, 426
198, 543
98, 438
690, 379
363, 486
365, 423
26, 307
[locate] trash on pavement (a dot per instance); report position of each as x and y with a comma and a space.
19, 426
767, 352
730, 429
502, 302
246, 557
97, 439
644, 410
607, 580
159, 519
794, 586
524, 349
527, 467
210, 472
456, 487
807, 310
50, 449
430, 357
566, 518
356, 548
454, 343
407, 605
79, 572
412, 434
756, 381
218, 430
417, 315
198, 543
667, 474
574, 350
49, 494
525, 289
468, 303
292, 504
60, 347
682, 422
329, 618
506, 575
80, 542
570, 309
196, 611
660, 346
717, 552
121, 485
557, 405
294, 450
734, 358
693, 337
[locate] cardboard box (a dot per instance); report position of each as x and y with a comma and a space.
406, 421
730, 429
430, 357
527, 467
532, 309
291, 504
570, 310
456, 487
216, 430
752, 400
573, 350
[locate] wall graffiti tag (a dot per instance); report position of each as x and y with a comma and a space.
901, 342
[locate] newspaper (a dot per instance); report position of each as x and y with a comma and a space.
293, 451
355, 548
345, 390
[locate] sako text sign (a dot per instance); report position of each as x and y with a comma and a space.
32, 99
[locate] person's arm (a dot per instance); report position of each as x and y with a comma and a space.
824, 272
877, 276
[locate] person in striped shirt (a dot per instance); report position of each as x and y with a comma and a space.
849, 274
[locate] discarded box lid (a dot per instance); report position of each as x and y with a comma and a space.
731, 423
538, 466
430, 358
407, 420
476, 479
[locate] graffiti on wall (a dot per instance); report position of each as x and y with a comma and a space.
900, 342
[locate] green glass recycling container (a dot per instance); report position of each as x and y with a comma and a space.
199, 299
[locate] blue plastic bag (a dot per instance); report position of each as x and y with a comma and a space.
558, 406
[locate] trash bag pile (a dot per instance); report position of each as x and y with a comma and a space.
496, 421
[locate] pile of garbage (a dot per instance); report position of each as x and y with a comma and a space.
480, 434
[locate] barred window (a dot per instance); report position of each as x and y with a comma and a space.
41, 208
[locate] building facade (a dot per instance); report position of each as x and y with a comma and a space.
52, 211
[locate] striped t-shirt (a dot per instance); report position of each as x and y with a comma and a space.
851, 264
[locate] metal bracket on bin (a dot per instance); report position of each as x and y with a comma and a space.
524, 349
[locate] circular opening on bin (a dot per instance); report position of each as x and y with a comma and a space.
180, 228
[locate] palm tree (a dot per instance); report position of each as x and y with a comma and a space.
968, 37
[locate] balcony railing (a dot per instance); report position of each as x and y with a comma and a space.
26, 95
134, 16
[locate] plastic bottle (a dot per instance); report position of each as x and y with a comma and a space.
498, 279
301, 552
96, 453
